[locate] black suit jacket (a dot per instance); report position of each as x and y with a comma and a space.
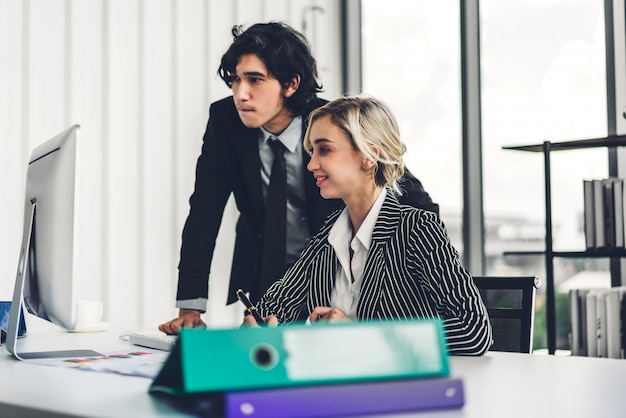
230, 163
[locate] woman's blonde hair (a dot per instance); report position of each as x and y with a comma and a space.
367, 122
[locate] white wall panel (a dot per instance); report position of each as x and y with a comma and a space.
249, 12
278, 10
13, 146
138, 76
324, 33
123, 161
219, 21
190, 110
85, 107
319, 21
47, 66
157, 203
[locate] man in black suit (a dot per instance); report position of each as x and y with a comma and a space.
273, 77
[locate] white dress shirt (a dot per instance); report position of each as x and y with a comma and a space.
347, 290
297, 224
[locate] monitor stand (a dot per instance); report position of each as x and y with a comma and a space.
16, 304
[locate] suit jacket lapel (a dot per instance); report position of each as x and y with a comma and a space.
375, 272
322, 277
247, 148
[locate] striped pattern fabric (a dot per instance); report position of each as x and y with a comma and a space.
412, 271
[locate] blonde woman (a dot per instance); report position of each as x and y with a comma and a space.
375, 259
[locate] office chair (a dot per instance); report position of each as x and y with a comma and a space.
510, 302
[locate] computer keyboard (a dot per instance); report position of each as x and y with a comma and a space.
151, 339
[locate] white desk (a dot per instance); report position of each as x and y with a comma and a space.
496, 385
31, 390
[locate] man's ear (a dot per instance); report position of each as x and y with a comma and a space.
292, 86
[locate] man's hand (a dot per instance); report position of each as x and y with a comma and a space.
325, 313
187, 318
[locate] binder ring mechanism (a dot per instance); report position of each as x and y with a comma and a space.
264, 356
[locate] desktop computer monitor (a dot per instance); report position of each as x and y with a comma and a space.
45, 281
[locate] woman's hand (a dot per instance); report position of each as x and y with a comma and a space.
324, 313
249, 321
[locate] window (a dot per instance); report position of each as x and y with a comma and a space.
411, 60
540, 84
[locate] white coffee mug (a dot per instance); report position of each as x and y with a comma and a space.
88, 313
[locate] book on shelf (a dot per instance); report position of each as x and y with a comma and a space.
609, 212
613, 212
578, 340
574, 316
623, 326
598, 213
601, 344
615, 322
604, 207
598, 322
590, 324
595, 322
589, 217
618, 220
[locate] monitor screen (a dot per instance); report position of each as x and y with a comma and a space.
45, 279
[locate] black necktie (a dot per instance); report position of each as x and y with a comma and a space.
275, 229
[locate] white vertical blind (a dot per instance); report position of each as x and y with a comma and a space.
139, 77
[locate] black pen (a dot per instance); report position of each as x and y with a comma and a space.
250, 307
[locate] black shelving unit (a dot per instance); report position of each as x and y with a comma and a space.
614, 254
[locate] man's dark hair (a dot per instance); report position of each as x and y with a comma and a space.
285, 53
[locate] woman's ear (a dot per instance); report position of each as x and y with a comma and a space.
368, 162
291, 87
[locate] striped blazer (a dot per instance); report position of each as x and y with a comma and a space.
412, 271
